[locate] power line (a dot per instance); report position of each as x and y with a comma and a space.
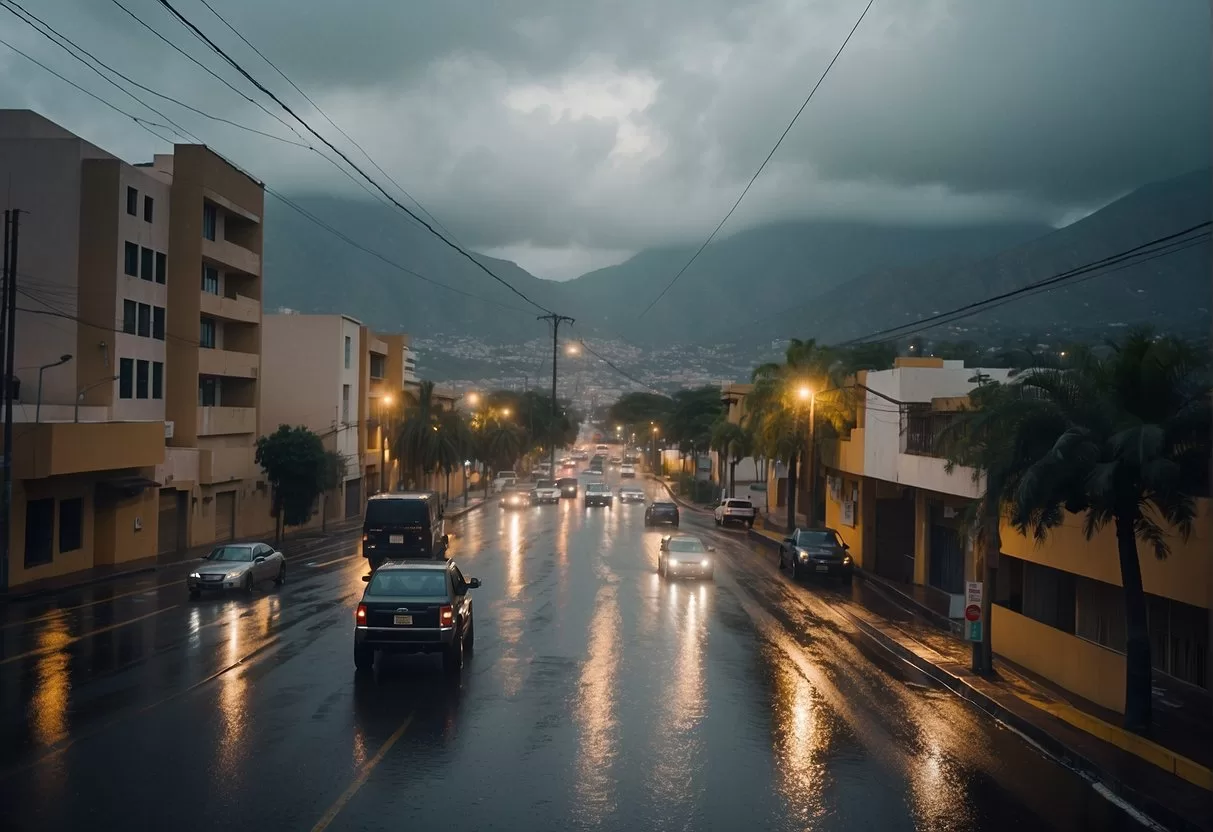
616, 368
199, 33
761, 167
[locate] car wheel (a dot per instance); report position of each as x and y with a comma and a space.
469, 638
847, 579
749, 524
195, 595
248, 583
795, 570
719, 522
675, 524
452, 657
281, 579
781, 560
364, 657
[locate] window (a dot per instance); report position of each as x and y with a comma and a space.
149, 264
1048, 596
378, 363
1100, 613
206, 337
132, 201
210, 280
71, 524
129, 311
208, 392
158, 323
126, 378
347, 352
142, 369
147, 208
157, 379
345, 401
210, 219
1179, 639
145, 321
132, 259
161, 268
461, 584
39, 531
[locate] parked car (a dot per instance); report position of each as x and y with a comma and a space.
237, 566
504, 479
631, 494
545, 491
415, 608
816, 552
661, 511
405, 525
627, 471
598, 494
734, 510
684, 554
568, 486
515, 496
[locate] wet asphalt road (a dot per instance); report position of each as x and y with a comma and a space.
599, 697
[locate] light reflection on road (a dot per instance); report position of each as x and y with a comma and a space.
801, 741
679, 743
598, 730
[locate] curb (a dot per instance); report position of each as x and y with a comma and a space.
683, 503
462, 510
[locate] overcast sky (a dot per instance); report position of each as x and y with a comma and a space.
567, 134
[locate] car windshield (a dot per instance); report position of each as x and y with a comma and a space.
598, 488
397, 512
545, 484
664, 507
738, 504
686, 545
506, 475
817, 537
566, 482
231, 554
417, 583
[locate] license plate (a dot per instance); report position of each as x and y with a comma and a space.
821, 567
395, 538
402, 620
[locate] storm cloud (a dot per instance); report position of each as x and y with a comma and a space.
569, 134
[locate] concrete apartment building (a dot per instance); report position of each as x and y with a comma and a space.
149, 277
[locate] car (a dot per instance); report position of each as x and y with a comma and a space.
598, 494
407, 524
543, 470
236, 566
615, 462
684, 554
568, 486
627, 471
602, 449
545, 491
816, 552
580, 455
415, 607
661, 511
515, 497
734, 510
631, 494
504, 479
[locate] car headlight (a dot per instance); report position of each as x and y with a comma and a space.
705, 563
195, 575
231, 576
803, 554
846, 560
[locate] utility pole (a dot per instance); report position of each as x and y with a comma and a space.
8, 314
556, 321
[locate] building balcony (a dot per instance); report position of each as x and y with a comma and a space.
239, 309
220, 421
228, 363
180, 467
51, 449
232, 256
219, 465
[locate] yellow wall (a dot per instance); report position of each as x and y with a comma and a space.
59, 448
1080, 666
61, 488
1184, 575
861, 545
117, 539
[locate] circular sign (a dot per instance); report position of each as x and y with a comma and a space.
973, 612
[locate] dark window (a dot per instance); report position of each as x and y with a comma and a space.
1100, 613
132, 201
208, 392
132, 259
39, 532
1048, 596
157, 379
145, 321
149, 264
126, 378
210, 218
348, 344
161, 268
461, 584
210, 280
129, 311
413, 583
377, 365
147, 208
142, 369
71, 524
395, 511
206, 334
1179, 639
158, 323
922, 428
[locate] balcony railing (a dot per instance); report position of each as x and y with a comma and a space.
224, 464
922, 428
228, 363
240, 309
219, 421
231, 255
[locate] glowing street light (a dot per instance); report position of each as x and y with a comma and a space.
473, 399
805, 392
573, 349
505, 411
385, 401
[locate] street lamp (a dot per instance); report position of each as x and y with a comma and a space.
63, 359
573, 349
385, 401
473, 399
80, 395
505, 411
805, 393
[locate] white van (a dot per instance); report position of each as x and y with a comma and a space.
504, 479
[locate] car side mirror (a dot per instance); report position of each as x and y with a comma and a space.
711, 548
259, 559
788, 540
846, 546
366, 579
446, 538
473, 583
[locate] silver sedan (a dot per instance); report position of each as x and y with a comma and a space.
237, 566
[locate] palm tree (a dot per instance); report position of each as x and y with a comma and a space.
452, 442
415, 437
1127, 442
732, 442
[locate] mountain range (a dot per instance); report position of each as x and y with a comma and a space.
830, 280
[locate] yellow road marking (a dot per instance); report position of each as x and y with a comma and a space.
363, 774
42, 651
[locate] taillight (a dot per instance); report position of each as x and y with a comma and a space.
365, 537
360, 615
446, 616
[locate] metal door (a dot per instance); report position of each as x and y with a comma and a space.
353, 498
167, 534
225, 516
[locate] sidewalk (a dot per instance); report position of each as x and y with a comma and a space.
684, 503
1166, 775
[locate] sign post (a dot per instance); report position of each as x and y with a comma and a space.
973, 619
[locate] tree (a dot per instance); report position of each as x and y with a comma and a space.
632, 409
295, 463
415, 438
331, 477
1125, 441
733, 443
452, 444
689, 425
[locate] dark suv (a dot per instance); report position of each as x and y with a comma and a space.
406, 525
415, 607
598, 494
661, 511
816, 552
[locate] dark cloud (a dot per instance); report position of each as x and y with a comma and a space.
604, 126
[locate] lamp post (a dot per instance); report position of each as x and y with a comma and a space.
653, 458
385, 401
83, 390
63, 359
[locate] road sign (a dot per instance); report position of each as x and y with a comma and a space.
973, 623
973, 631
973, 612
973, 592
